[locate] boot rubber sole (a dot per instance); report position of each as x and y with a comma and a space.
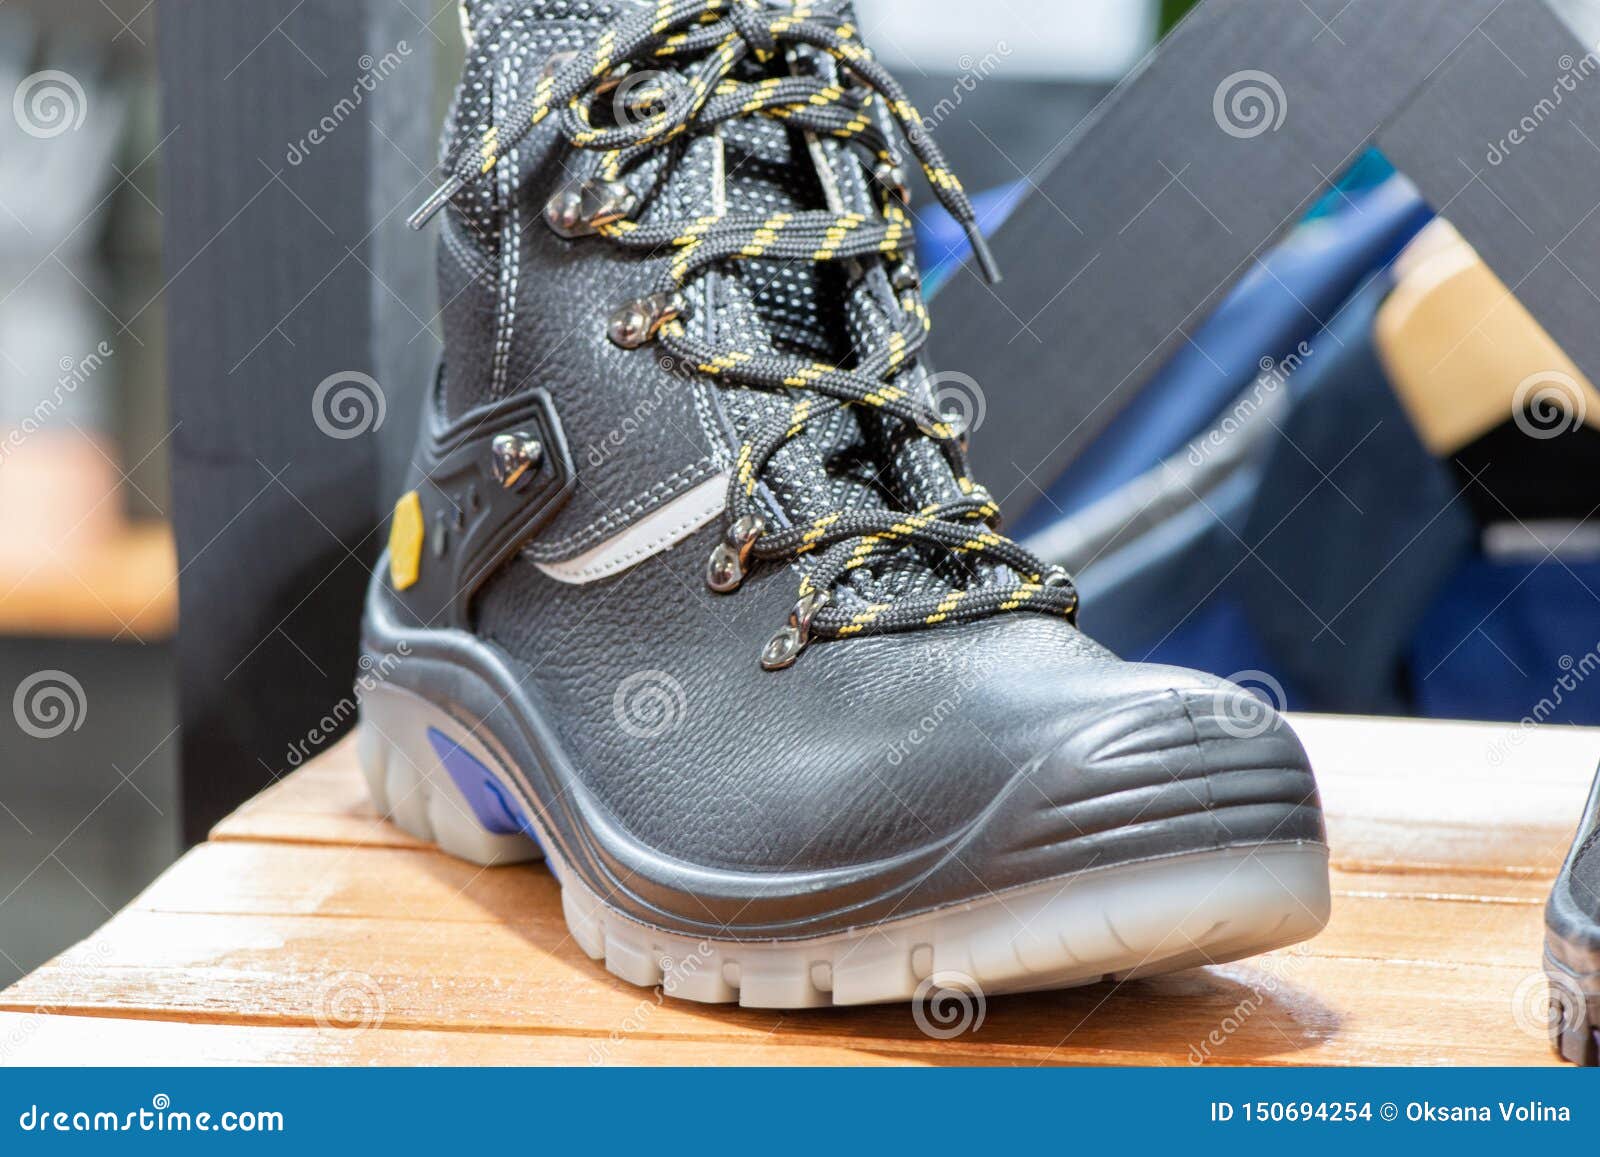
1115, 923
1572, 952
1574, 1009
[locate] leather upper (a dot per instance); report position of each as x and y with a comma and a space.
864, 749
525, 308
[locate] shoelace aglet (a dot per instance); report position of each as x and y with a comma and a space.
437, 200
985, 256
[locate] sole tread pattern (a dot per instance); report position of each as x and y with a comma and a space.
1136, 920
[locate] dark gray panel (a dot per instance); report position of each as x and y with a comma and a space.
287, 262
1159, 204
1505, 141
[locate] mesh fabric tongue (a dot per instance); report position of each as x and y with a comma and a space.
853, 460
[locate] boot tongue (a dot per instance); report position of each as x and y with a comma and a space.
819, 311
476, 14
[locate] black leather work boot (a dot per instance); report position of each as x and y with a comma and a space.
1572, 944
692, 591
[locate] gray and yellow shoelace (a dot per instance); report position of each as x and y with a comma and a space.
708, 40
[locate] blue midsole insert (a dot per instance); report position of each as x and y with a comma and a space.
495, 808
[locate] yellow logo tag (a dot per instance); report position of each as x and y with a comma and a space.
405, 541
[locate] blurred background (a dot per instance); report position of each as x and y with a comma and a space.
88, 575
89, 799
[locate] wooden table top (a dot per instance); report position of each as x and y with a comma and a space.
307, 930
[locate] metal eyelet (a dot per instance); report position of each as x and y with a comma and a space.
555, 62
1056, 576
579, 210
639, 321
512, 456
730, 561
894, 180
784, 648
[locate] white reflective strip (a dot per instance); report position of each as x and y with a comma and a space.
661, 530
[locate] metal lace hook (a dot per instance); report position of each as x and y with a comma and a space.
784, 648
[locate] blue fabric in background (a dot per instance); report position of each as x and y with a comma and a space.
1283, 301
1512, 641
1315, 565
1224, 631
1375, 546
1354, 530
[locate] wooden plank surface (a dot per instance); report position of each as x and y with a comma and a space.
309, 931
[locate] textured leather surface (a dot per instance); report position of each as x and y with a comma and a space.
864, 749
